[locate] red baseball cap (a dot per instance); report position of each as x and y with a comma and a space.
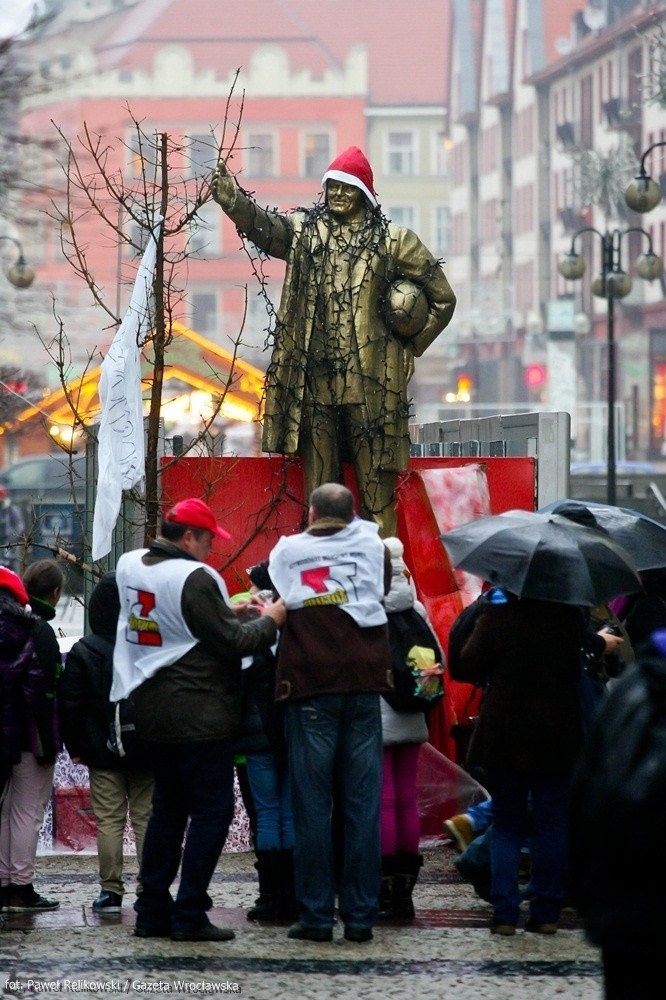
194, 513
11, 581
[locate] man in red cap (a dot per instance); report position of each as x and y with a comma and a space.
336, 386
178, 655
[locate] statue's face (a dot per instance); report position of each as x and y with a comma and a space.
344, 201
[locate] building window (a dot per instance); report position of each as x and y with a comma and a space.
402, 215
203, 155
316, 154
205, 232
261, 148
441, 229
204, 312
400, 154
142, 152
439, 154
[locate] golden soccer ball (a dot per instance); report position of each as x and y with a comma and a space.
406, 308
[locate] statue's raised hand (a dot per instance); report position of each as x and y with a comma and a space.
222, 185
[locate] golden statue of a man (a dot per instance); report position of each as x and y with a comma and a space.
336, 385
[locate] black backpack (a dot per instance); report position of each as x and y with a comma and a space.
415, 689
122, 739
461, 629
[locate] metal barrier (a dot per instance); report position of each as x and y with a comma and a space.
545, 436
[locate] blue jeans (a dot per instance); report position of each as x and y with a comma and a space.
480, 816
519, 800
195, 782
336, 738
268, 775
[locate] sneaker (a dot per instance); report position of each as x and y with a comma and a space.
108, 902
24, 899
460, 830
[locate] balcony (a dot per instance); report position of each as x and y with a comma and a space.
565, 134
621, 115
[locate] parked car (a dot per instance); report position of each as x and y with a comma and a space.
48, 476
50, 489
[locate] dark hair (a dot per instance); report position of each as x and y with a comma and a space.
42, 577
104, 607
173, 532
259, 576
333, 500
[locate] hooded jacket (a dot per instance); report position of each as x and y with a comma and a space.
85, 709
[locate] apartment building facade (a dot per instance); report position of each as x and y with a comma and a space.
550, 110
306, 81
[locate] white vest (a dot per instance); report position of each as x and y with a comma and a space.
344, 570
151, 630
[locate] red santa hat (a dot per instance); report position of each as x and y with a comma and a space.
11, 581
352, 167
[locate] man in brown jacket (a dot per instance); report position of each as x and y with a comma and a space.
333, 660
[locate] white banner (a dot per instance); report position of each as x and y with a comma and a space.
121, 450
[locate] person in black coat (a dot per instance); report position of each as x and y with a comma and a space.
118, 784
525, 744
618, 786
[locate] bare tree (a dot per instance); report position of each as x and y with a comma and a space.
125, 210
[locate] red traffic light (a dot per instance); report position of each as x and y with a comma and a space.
535, 376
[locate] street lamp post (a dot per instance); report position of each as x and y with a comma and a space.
19, 274
611, 283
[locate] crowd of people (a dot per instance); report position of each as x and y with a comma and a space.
175, 686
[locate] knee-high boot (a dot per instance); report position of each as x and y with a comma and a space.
407, 868
265, 907
287, 905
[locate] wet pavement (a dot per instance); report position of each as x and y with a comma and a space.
446, 951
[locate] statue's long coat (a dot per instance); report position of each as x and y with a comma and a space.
385, 361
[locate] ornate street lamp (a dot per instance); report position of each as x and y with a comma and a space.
611, 283
643, 193
19, 274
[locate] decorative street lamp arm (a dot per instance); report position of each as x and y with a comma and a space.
579, 232
642, 170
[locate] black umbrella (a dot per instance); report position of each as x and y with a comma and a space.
543, 556
641, 536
